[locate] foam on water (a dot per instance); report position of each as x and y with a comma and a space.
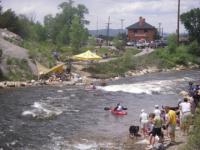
85, 146
42, 110
146, 87
60, 91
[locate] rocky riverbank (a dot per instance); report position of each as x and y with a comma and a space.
84, 80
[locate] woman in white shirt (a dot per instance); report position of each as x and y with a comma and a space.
143, 122
185, 114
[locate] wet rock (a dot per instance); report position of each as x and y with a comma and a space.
10, 84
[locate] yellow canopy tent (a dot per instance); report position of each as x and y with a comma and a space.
42, 70
58, 68
88, 55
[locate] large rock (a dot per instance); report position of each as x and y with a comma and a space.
11, 50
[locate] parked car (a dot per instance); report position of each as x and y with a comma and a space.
152, 44
139, 44
130, 43
158, 43
142, 44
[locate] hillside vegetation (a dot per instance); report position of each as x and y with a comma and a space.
163, 58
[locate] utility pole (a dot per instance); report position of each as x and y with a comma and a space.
178, 18
108, 29
122, 25
159, 29
97, 31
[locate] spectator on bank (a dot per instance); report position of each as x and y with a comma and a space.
56, 55
143, 122
157, 129
157, 111
185, 115
171, 124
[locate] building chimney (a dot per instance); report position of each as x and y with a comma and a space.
141, 21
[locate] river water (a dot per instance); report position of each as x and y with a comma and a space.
72, 118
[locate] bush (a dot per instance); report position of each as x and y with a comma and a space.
172, 43
114, 67
194, 48
193, 140
22, 72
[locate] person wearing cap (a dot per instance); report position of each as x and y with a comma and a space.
144, 122
157, 111
156, 131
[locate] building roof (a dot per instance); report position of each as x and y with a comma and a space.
141, 24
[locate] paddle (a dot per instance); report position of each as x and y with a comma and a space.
108, 108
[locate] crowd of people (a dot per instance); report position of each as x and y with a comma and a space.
162, 122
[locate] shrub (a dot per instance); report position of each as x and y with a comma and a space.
22, 72
194, 48
172, 43
193, 140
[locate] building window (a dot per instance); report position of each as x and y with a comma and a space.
145, 30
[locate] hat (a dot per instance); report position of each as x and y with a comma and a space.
142, 110
183, 93
156, 106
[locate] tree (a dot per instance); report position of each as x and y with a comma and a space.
59, 27
191, 21
10, 21
77, 34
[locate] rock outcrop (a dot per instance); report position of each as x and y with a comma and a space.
12, 50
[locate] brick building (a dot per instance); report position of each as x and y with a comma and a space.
141, 30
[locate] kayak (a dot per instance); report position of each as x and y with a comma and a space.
118, 112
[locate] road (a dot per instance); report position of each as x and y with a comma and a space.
144, 52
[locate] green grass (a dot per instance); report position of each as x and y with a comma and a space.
42, 52
193, 142
161, 58
115, 67
18, 70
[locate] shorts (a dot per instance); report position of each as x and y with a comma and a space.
186, 118
143, 125
171, 129
157, 131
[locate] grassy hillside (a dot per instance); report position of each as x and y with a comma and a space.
161, 58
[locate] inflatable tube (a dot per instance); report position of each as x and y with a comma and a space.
118, 112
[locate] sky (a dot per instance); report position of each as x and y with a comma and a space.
154, 11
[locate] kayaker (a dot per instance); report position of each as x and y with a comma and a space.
92, 86
118, 107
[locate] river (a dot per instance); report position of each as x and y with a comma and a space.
72, 118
